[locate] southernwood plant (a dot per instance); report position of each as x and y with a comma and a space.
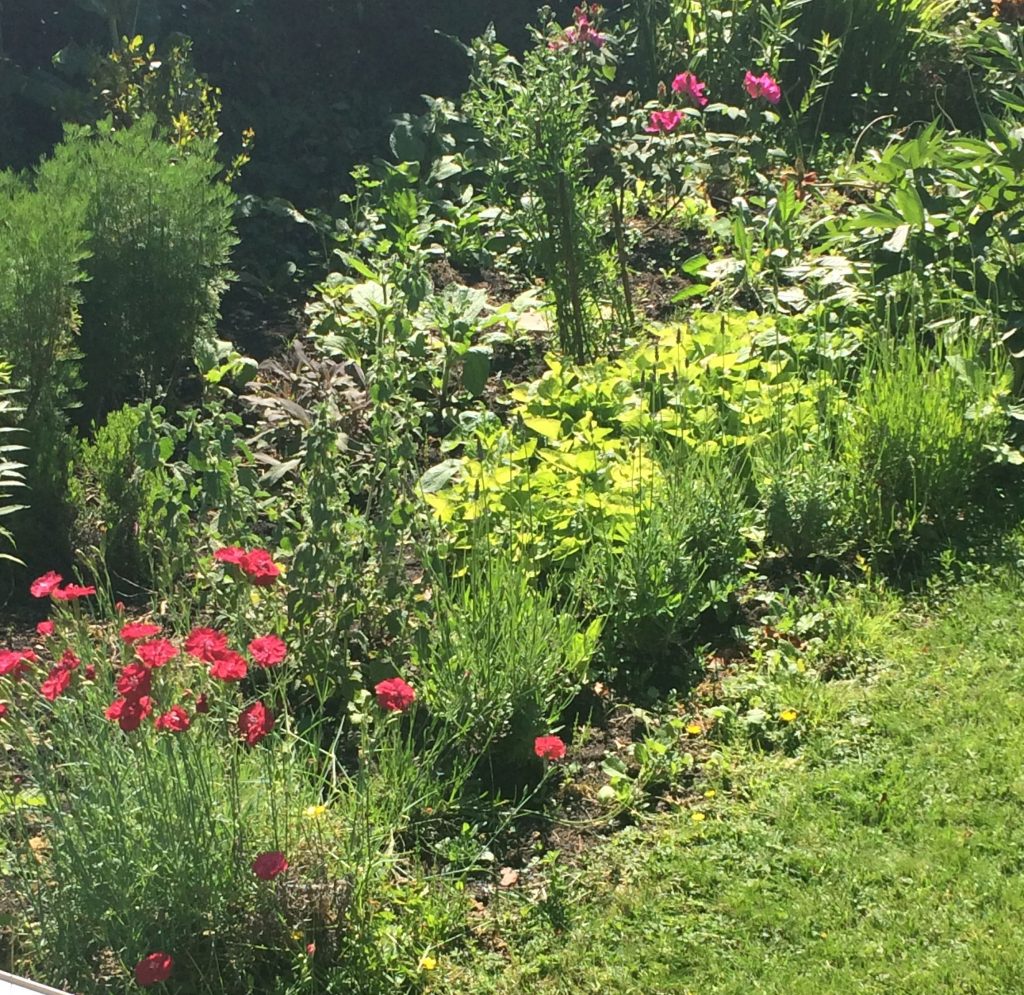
159, 235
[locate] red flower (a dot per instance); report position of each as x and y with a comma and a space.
134, 681
71, 592
43, 587
310, 949
89, 673
3, 709
229, 666
202, 705
44, 629
154, 969
119, 607
230, 554
259, 566
139, 630
69, 660
394, 695
549, 748
255, 722
268, 865
156, 653
129, 713
267, 651
205, 644
56, 683
15, 663
174, 720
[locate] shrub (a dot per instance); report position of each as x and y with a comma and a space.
921, 431
500, 663
42, 247
681, 558
107, 494
159, 234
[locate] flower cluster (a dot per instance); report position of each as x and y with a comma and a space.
255, 564
49, 586
762, 87
663, 121
582, 32
687, 86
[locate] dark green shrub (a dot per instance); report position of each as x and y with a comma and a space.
42, 247
159, 235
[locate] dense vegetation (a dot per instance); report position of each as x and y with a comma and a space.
619, 361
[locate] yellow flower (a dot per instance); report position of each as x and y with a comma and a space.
788, 714
314, 811
428, 963
296, 935
698, 817
694, 729
710, 793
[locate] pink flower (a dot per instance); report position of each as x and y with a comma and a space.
549, 748
56, 683
44, 629
139, 630
71, 592
394, 695
663, 121
157, 652
89, 673
3, 709
255, 722
762, 86
205, 644
583, 33
689, 86
43, 587
69, 660
268, 865
267, 651
176, 719
228, 666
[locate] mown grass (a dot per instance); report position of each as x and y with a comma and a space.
885, 857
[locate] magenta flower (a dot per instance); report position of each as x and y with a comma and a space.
762, 86
663, 121
582, 33
690, 87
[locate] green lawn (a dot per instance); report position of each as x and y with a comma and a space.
886, 857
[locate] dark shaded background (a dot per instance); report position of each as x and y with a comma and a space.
318, 80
